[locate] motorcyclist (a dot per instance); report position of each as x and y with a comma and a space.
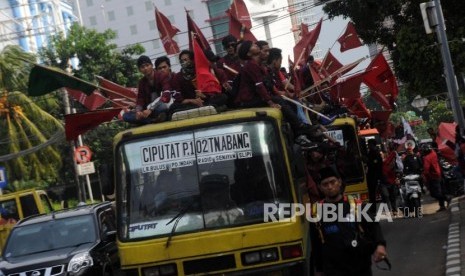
412, 161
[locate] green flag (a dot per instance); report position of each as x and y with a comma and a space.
43, 80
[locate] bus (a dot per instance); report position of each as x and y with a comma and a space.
193, 195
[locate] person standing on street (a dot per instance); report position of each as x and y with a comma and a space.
347, 246
375, 172
432, 176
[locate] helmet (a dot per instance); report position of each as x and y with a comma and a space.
426, 148
410, 145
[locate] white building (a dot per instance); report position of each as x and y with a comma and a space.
29, 23
134, 21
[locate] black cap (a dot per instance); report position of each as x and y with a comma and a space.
328, 172
143, 60
244, 49
228, 40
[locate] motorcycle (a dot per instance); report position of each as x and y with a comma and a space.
410, 195
452, 183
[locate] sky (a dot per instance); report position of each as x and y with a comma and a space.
330, 32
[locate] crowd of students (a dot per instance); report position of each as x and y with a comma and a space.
249, 74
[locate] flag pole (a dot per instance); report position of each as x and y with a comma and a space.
306, 107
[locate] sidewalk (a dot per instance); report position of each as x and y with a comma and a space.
456, 238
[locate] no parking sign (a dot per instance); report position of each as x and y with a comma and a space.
82, 154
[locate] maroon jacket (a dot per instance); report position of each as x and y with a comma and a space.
251, 84
431, 169
232, 62
147, 93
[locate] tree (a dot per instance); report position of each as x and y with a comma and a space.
398, 25
24, 126
93, 54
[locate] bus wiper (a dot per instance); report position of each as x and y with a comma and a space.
176, 220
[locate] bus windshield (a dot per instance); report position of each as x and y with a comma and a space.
348, 159
199, 179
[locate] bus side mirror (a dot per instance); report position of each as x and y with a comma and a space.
106, 173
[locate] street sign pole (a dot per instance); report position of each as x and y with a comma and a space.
451, 80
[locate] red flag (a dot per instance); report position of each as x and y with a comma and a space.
92, 102
330, 64
121, 96
239, 10
381, 99
357, 107
238, 30
166, 31
348, 88
304, 47
79, 123
349, 40
206, 81
193, 28
381, 79
381, 115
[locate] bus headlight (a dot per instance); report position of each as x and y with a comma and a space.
80, 261
265, 255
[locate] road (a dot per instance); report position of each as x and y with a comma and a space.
417, 246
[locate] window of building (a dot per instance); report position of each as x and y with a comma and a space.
111, 16
133, 29
168, 2
130, 11
90, 3
93, 20
152, 25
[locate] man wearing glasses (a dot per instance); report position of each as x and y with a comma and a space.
346, 246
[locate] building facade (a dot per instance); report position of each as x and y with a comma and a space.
29, 23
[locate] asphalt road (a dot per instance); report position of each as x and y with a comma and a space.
417, 246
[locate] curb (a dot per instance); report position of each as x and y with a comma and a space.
453, 255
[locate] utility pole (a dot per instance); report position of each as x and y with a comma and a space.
434, 20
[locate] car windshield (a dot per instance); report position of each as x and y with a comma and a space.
50, 235
200, 179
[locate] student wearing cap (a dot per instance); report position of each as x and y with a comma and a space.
344, 247
153, 95
253, 93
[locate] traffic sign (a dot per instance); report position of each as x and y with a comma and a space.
3, 182
82, 154
86, 168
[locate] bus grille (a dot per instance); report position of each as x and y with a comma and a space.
209, 264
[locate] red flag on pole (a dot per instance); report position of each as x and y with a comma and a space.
193, 28
79, 123
304, 47
357, 107
206, 81
349, 40
239, 21
92, 102
381, 80
330, 64
348, 88
121, 96
166, 31
238, 10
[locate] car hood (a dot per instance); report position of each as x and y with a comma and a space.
42, 259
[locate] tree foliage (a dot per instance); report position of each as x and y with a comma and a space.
92, 53
398, 25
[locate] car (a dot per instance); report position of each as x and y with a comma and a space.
79, 241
